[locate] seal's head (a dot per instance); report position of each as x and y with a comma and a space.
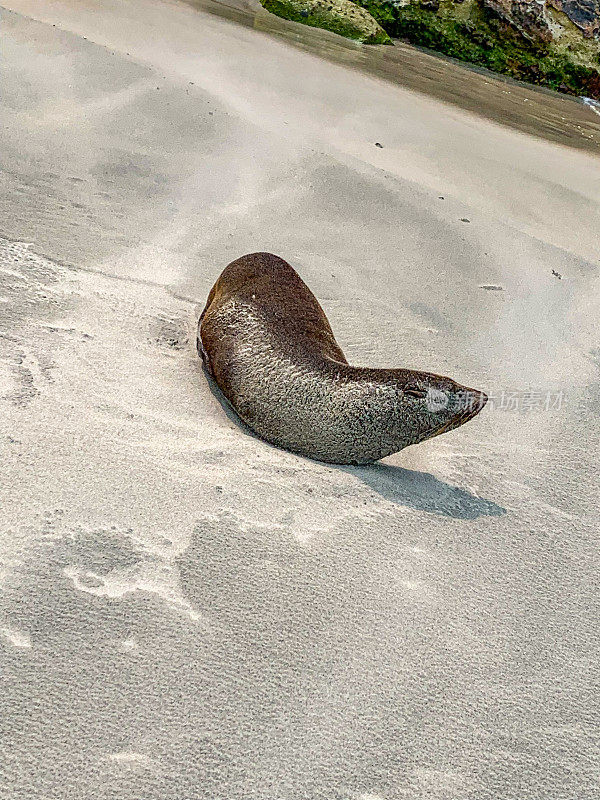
428, 405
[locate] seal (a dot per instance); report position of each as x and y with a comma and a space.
267, 343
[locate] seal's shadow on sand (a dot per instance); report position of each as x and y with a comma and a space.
405, 487
424, 492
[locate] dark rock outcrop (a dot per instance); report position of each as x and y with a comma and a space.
527, 16
585, 14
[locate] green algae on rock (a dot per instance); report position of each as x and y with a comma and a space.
526, 39
340, 16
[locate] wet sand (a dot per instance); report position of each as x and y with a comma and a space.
187, 612
534, 110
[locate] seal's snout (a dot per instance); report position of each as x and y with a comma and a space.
467, 403
458, 401
479, 402
475, 401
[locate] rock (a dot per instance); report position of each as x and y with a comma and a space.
539, 20
585, 14
527, 16
340, 16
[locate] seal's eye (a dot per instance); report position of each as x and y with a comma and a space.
414, 391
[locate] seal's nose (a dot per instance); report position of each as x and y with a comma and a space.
477, 401
467, 403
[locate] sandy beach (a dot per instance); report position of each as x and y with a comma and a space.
187, 613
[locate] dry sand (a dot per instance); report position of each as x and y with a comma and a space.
188, 613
